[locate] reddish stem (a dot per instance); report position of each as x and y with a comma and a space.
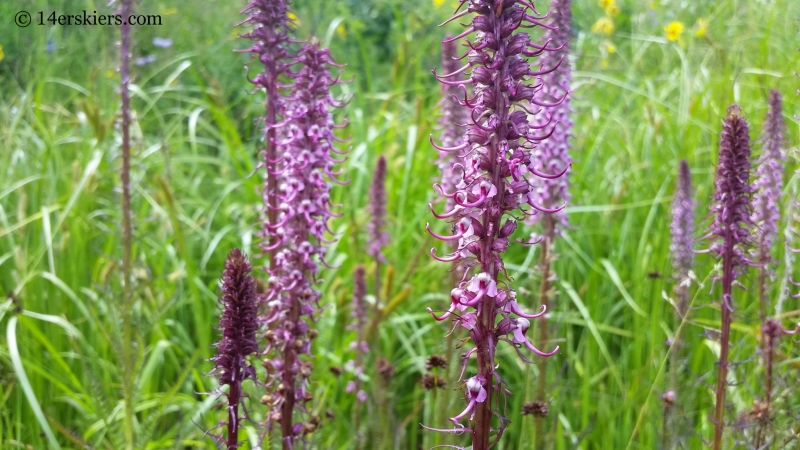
722, 377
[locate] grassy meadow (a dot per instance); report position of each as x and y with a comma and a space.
641, 103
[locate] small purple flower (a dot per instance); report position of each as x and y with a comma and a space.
306, 144
238, 323
497, 176
769, 179
682, 231
377, 211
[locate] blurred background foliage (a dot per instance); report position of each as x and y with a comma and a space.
652, 80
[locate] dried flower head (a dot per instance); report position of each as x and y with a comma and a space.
431, 381
436, 362
384, 368
536, 408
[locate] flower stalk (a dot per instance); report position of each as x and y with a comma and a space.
359, 346
553, 154
238, 323
768, 184
681, 247
375, 227
730, 235
126, 9
298, 237
498, 177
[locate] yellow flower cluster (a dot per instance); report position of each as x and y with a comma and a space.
2, 55
610, 6
605, 25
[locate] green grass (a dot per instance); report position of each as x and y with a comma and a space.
637, 112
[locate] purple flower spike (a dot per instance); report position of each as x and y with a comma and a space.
553, 153
359, 324
270, 34
769, 178
682, 230
498, 175
306, 143
730, 234
454, 118
238, 323
377, 210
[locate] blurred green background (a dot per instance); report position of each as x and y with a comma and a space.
652, 80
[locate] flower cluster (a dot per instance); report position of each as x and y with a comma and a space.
306, 143
238, 323
497, 178
359, 324
453, 118
682, 229
731, 207
769, 179
271, 36
553, 153
730, 235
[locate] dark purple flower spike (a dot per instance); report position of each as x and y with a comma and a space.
238, 323
730, 234
499, 174
305, 142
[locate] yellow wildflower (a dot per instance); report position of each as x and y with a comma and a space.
340, 30
110, 73
611, 49
2, 55
169, 11
603, 25
701, 27
612, 9
604, 62
673, 31
606, 3
293, 18
438, 2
